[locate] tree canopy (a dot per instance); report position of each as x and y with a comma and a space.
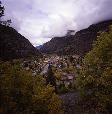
1, 10
21, 93
7, 22
95, 79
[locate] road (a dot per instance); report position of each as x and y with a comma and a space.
69, 102
45, 69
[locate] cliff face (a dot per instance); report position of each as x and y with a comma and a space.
80, 43
13, 45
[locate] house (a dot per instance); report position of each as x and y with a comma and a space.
67, 79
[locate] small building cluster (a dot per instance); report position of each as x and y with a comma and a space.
40, 67
66, 79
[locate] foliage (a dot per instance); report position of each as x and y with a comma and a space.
50, 77
58, 74
20, 93
7, 22
1, 10
63, 89
69, 69
95, 80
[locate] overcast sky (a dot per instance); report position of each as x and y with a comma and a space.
40, 20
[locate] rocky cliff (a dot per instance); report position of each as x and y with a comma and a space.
13, 45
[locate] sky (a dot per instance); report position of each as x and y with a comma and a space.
41, 20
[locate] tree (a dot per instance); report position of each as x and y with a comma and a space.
21, 93
50, 77
1, 10
7, 22
71, 59
95, 77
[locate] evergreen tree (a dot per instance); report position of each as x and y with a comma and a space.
50, 77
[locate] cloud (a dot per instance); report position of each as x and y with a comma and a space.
40, 20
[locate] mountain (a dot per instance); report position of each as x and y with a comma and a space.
79, 44
13, 45
38, 47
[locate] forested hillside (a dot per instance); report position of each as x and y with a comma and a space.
13, 45
79, 44
95, 78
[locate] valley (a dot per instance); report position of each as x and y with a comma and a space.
70, 74
64, 69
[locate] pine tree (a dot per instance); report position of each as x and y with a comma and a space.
50, 77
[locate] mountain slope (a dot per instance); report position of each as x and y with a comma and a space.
38, 47
13, 45
80, 43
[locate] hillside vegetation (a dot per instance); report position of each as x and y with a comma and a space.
95, 78
78, 44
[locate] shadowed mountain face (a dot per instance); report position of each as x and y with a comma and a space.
13, 45
38, 47
79, 44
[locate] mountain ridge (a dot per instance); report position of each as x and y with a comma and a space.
79, 44
13, 45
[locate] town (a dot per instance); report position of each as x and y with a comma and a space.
64, 68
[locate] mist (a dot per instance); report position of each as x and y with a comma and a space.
40, 20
